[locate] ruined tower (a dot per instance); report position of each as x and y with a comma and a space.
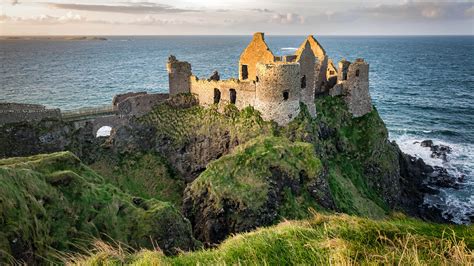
179, 76
353, 85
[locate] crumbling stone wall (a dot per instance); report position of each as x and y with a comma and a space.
321, 65
353, 85
179, 76
331, 74
121, 97
138, 105
278, 91
256, 52
205, 91
17, 112
308, 76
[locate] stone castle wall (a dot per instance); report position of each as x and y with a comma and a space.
138, 105
256, 52
207, 91
353, 85
17, 112
179, 74
278, 91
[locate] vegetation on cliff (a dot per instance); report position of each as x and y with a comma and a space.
53, 203
320, 240
261, 180
145, 175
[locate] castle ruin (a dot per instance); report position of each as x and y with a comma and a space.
276, 85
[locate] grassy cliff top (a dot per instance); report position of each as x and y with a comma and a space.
53, 203
321, 240
243, 175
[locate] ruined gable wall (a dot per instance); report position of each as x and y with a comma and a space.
257, 51
204, 91
321, 63
179, 76
274, 80
140, 104
308, 61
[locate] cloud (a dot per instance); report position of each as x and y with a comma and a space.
69, 17
14, 2
419, 10
128, 8
262, 10
288, 18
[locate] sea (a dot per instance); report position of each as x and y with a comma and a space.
422, 86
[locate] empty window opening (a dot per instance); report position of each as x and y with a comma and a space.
357, 72
245, 72
232, 96
256, 79
344, 75
286, 95
104, 131
331, 72
303, 82
217, 95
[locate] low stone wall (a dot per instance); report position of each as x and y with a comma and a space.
121, 97
17, 112
140, 104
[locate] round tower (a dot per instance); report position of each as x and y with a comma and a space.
278, 91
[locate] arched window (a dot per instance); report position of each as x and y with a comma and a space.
256, 79
217, 95
232, 96
357, 72
303, 82
286, 95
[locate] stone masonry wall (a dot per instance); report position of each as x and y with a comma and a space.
308, 63
275, 81
356, 89
16, 112
256, 52
204, 91
140, 104
179, 75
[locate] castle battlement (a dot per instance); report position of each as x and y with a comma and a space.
276, 85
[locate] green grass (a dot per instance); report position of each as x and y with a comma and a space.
321, 240
243, 176
144, 175
54, 203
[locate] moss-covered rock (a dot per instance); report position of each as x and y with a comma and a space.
53, 203
260, 182
145, 175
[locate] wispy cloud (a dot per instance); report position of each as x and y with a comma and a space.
288, 18
128, 8
417, 10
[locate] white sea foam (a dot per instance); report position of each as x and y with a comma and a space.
457, 205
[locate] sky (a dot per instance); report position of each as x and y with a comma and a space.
236, 17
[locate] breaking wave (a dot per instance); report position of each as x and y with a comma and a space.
457, 205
